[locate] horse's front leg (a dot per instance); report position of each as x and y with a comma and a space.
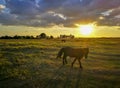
73, 62
80, 63
64, 59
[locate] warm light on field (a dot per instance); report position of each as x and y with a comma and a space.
86, 29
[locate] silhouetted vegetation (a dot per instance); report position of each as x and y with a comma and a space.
17, 37
67, 36
44, 36
6, 37
40, 36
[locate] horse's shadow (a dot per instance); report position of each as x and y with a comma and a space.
53, 82
68, 82
68, 79
78, 81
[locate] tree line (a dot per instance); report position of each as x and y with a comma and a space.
41, 36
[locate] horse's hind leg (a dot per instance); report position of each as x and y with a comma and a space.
73, 62
80, 63
64, 59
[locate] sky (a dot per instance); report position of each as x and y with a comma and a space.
55, 17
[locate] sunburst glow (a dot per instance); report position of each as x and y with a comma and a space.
86, 29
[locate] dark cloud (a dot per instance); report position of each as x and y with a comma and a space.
22, 7
8, 19
59, 12
50, 4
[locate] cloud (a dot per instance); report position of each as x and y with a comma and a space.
8, 19
107, 13
2, 7
45, 13
117, 16
58, 14
22, 7
2, 2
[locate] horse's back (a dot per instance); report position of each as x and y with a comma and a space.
74, 52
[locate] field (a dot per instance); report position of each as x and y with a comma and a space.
32, 63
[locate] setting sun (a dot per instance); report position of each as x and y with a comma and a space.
86, 29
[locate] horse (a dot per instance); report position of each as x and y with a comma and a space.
77, 53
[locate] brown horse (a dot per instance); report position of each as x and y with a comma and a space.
78, 53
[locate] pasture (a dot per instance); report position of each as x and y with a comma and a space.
32, 63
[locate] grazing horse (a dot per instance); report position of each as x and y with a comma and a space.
78, 53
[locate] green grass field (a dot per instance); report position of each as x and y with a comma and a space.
31, 64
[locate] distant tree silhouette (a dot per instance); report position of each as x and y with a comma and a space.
43, 35
67, 36
16, 37
51, 37
6, 37
29, 37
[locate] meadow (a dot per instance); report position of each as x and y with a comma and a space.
32, 63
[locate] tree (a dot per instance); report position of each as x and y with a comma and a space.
51, 37
43, 35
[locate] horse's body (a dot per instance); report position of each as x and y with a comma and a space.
78, 53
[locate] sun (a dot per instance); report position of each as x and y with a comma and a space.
86, 29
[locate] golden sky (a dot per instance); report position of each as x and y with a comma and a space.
55, 17
98, 31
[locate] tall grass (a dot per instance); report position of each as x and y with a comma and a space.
32, 64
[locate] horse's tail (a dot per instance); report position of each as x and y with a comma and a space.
60, 53
86, 52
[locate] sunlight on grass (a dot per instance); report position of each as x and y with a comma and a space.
33, 63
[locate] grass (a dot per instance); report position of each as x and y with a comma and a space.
31, 64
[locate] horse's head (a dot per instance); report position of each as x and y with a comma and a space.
60, 53
86, 51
